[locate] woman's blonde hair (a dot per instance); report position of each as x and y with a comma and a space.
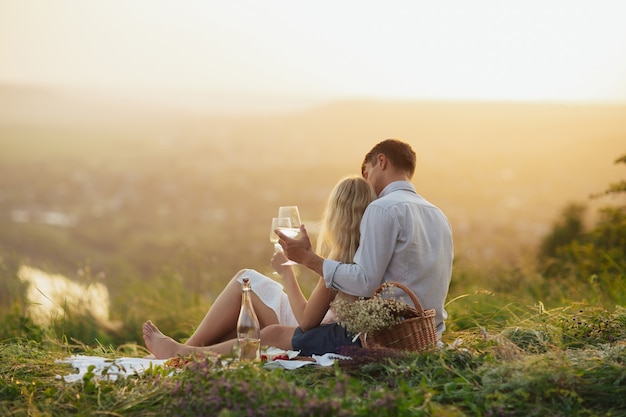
340, 230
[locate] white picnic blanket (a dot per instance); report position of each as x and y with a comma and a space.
112, 369
326, 359
106, 368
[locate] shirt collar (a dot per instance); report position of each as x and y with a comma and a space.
397, 186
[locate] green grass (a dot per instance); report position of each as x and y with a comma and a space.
490, 376
510, 358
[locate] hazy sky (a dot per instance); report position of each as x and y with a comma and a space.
469, 49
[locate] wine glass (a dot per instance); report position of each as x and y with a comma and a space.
292, 213
282, 223
278, 223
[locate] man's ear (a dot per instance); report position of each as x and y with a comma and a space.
382, 161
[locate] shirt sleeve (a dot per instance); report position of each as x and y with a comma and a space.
379, 232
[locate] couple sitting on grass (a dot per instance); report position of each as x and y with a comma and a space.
375, 229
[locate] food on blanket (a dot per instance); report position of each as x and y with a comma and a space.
269, 358
178, 362
182, 361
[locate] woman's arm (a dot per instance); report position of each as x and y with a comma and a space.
309, 313
317, 306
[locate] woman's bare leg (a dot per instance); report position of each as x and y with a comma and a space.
220, 322
164, 347
278, 336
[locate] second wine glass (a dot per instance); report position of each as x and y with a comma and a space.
292, 213
281, 223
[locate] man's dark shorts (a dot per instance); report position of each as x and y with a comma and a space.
325, 338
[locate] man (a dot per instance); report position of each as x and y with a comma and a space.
404, 238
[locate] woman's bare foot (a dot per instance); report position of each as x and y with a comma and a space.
161, 346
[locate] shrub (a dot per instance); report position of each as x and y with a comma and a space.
595, 258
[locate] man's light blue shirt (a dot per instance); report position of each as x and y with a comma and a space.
404, 238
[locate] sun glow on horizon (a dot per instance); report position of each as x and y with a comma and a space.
485, 50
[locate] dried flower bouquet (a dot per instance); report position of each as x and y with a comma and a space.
368, 315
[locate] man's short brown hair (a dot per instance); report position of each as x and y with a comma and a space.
398, 152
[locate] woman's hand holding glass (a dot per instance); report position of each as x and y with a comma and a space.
278, 263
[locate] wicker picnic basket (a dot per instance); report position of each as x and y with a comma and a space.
416, 332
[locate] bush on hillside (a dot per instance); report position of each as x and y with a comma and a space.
596, 256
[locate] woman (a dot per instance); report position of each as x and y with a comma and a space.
288, 320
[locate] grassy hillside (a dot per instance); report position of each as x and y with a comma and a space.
162, 206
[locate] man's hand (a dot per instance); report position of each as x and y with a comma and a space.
299, 250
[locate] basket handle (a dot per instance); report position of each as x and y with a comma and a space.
407, 290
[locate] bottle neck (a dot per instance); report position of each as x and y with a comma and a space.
245, 296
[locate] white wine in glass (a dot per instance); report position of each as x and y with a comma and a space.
292, 213
282, 223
